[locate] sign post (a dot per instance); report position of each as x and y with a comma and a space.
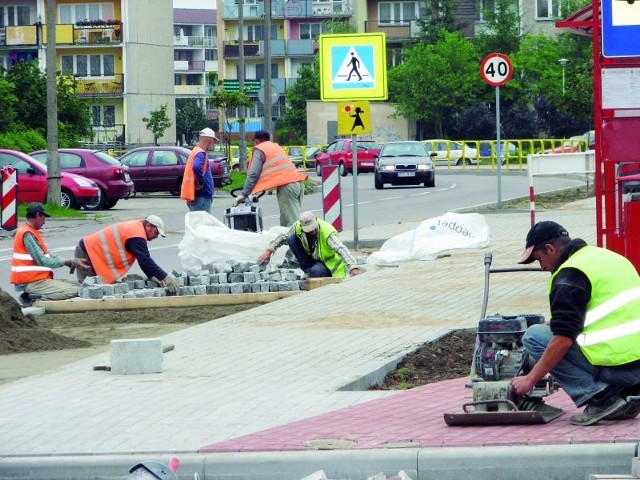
496, 70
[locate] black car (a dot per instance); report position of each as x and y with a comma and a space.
404, 163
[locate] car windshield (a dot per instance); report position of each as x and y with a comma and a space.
107, 159
403, 150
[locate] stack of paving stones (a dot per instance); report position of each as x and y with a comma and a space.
210, 279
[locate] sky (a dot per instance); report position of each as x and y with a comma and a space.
208, 4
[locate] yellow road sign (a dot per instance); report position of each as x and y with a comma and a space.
353, 118
353, 67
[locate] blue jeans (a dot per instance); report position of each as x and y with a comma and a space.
574, 373
200, 204
312, 267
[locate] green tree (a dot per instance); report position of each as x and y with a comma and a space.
292, 126
501, 30
190, 118
436, 16
8, 102
157, 122
435, 82
31, 90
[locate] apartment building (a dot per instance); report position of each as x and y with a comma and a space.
119, 52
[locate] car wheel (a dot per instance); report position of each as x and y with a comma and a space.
342, 169
99, 203
431, 182
318, 170
110, 204
67, 200
377, 182
175, 192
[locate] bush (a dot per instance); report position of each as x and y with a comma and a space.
25, 141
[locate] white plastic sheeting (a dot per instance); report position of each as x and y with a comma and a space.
434, 236
208, 240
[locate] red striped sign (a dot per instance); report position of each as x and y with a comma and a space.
331, 201
9, 192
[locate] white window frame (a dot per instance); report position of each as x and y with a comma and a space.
554, 9
15, 14
481, 7
102, 111
392, 10
88, 58
311, 34
73, 12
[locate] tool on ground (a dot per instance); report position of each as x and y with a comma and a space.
499, 355
246, 216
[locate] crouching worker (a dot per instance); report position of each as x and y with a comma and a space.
32, 265
317, 248
112, 251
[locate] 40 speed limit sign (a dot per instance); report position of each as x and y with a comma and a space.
496, 69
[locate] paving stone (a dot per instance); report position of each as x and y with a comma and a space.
120, 288
214, 278
235, 288
213, 289
225, 288
246, 287
249, 277
223, 278
236, 277
138, 284
200, 290
151, 283
185, 291
95, 292
107, 290
130, 294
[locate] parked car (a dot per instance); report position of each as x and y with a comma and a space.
404, 163
577, 143
449, 152
627, 169
111, 176
296, 156
160, 169
76, 190
488, 149
339, 153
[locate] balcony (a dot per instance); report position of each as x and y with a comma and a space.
301, 47
196, 66
95, 34
109, 86
232, 49
393, 31
253, 11
198, 41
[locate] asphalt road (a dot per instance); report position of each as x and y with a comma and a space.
453, 190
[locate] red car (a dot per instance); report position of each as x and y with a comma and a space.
111, 176
338, 153
76, 190
160, 169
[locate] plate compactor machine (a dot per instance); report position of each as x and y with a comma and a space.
247, 216
499, 355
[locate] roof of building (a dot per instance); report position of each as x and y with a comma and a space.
200, 16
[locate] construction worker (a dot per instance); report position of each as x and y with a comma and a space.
270, 167
590, 345
197, 183
112, 251
32, 264
317, 248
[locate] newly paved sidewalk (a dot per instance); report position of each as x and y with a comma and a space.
289, 379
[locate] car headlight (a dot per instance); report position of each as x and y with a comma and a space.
388, 168
425, 166
83, 182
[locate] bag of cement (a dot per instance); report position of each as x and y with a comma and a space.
208, 240
434, 236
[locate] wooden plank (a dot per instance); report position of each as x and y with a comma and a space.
83, 304
312, 283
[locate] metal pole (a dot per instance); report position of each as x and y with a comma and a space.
354, 154
242, 154
499, 147
267, 66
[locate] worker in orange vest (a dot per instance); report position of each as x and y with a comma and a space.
270, 167
112, 251
197, 183
32, 264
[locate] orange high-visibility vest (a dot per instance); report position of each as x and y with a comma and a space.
189, 187
277, 169
106, 250
23, 268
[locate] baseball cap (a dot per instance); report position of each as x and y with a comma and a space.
207, 132
157, 222
540, 233
308, 221
34, 209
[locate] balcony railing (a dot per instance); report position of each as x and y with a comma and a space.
188, 65
199, 41
101, 86
232, 49
96, 35
393, 31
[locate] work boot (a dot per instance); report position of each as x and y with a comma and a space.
632, 410
604, 404
25, 300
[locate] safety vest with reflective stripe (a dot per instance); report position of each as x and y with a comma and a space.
23, 268
189, 187
326, 254
277, 169
106, 249
611, 333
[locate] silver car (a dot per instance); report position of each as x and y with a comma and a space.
404, 163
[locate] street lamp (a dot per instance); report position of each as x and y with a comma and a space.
563, 63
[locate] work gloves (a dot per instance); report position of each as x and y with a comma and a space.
238, 200
77, 263
171, 284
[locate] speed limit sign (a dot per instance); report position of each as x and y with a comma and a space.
496, 69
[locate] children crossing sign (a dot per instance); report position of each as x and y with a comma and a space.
353, 67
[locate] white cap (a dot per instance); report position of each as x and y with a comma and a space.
308, 221
157, 222
207, 132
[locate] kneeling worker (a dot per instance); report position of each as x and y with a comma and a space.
317, 248
112, 251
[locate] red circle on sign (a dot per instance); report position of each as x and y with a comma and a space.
496, 69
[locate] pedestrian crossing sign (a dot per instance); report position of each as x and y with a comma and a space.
353, 67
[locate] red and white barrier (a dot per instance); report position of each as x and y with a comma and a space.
331, 199
9, 192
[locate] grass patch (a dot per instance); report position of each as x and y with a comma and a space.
550, 200
56, 211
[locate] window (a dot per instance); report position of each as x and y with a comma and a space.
547, 9
310, 31
85, 11
103, 115
256, 32
482, 7
260, 71
14, 15
164, 158
210, 54
397, 12
88, 65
